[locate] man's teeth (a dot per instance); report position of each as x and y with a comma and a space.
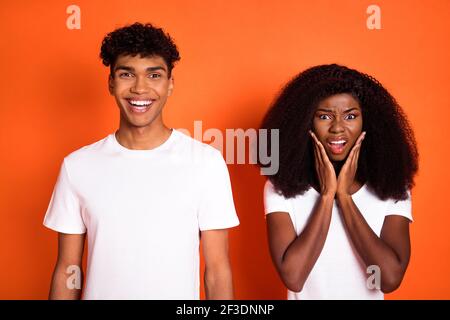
338, 142
140, 103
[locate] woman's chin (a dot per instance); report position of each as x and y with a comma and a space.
338, 157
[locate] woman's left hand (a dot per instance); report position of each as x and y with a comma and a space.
348, 170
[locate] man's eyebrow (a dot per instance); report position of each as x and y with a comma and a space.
156, 68
149, 69
126, 68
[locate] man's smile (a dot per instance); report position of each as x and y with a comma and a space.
139, 105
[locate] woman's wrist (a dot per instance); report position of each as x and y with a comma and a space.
343, 196
328, 195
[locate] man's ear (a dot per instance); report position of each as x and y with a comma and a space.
111, 84
171, 82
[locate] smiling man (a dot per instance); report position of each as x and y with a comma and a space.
145, 195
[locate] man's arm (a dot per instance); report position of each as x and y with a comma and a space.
70, 254
218, 277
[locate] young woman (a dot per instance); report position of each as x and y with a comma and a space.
339, 207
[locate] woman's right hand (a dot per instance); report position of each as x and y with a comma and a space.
324, 168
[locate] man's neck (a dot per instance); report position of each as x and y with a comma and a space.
143, 138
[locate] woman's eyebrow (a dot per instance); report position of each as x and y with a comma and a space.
325, 110
351, 109
331, 110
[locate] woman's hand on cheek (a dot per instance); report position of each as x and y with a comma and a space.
348, 170
324, 169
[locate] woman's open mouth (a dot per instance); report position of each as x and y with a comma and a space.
337, 146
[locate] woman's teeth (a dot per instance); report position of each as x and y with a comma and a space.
338, 142
337, 147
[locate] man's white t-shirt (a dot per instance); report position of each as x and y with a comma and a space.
143, 211
339, 272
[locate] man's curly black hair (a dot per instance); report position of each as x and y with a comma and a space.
388, 158
143, 39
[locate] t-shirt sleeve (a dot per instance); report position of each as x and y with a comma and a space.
64, 211
400, 207
216, 209
273, 201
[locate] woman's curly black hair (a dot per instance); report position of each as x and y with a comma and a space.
143, 39
388, 159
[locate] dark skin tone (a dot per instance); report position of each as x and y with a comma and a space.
338, 118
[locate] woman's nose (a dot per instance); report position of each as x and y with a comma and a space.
337, 126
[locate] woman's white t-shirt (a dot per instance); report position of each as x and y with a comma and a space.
143, 211
339, 272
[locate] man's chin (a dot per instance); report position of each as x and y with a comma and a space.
134, 123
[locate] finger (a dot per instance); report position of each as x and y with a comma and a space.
316, 156
349, 160
319, 163
322, 152
352, 153
361, 138
318, 166
316, 140
358, 151
316, 148
317, 159
356, 145
353, 163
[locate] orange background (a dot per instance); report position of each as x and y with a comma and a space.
236, 55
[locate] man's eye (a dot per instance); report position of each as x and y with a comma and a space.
125, 75
155, 75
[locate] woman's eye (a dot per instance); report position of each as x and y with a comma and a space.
351, 116
324, 117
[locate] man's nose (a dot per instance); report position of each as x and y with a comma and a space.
139, 86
